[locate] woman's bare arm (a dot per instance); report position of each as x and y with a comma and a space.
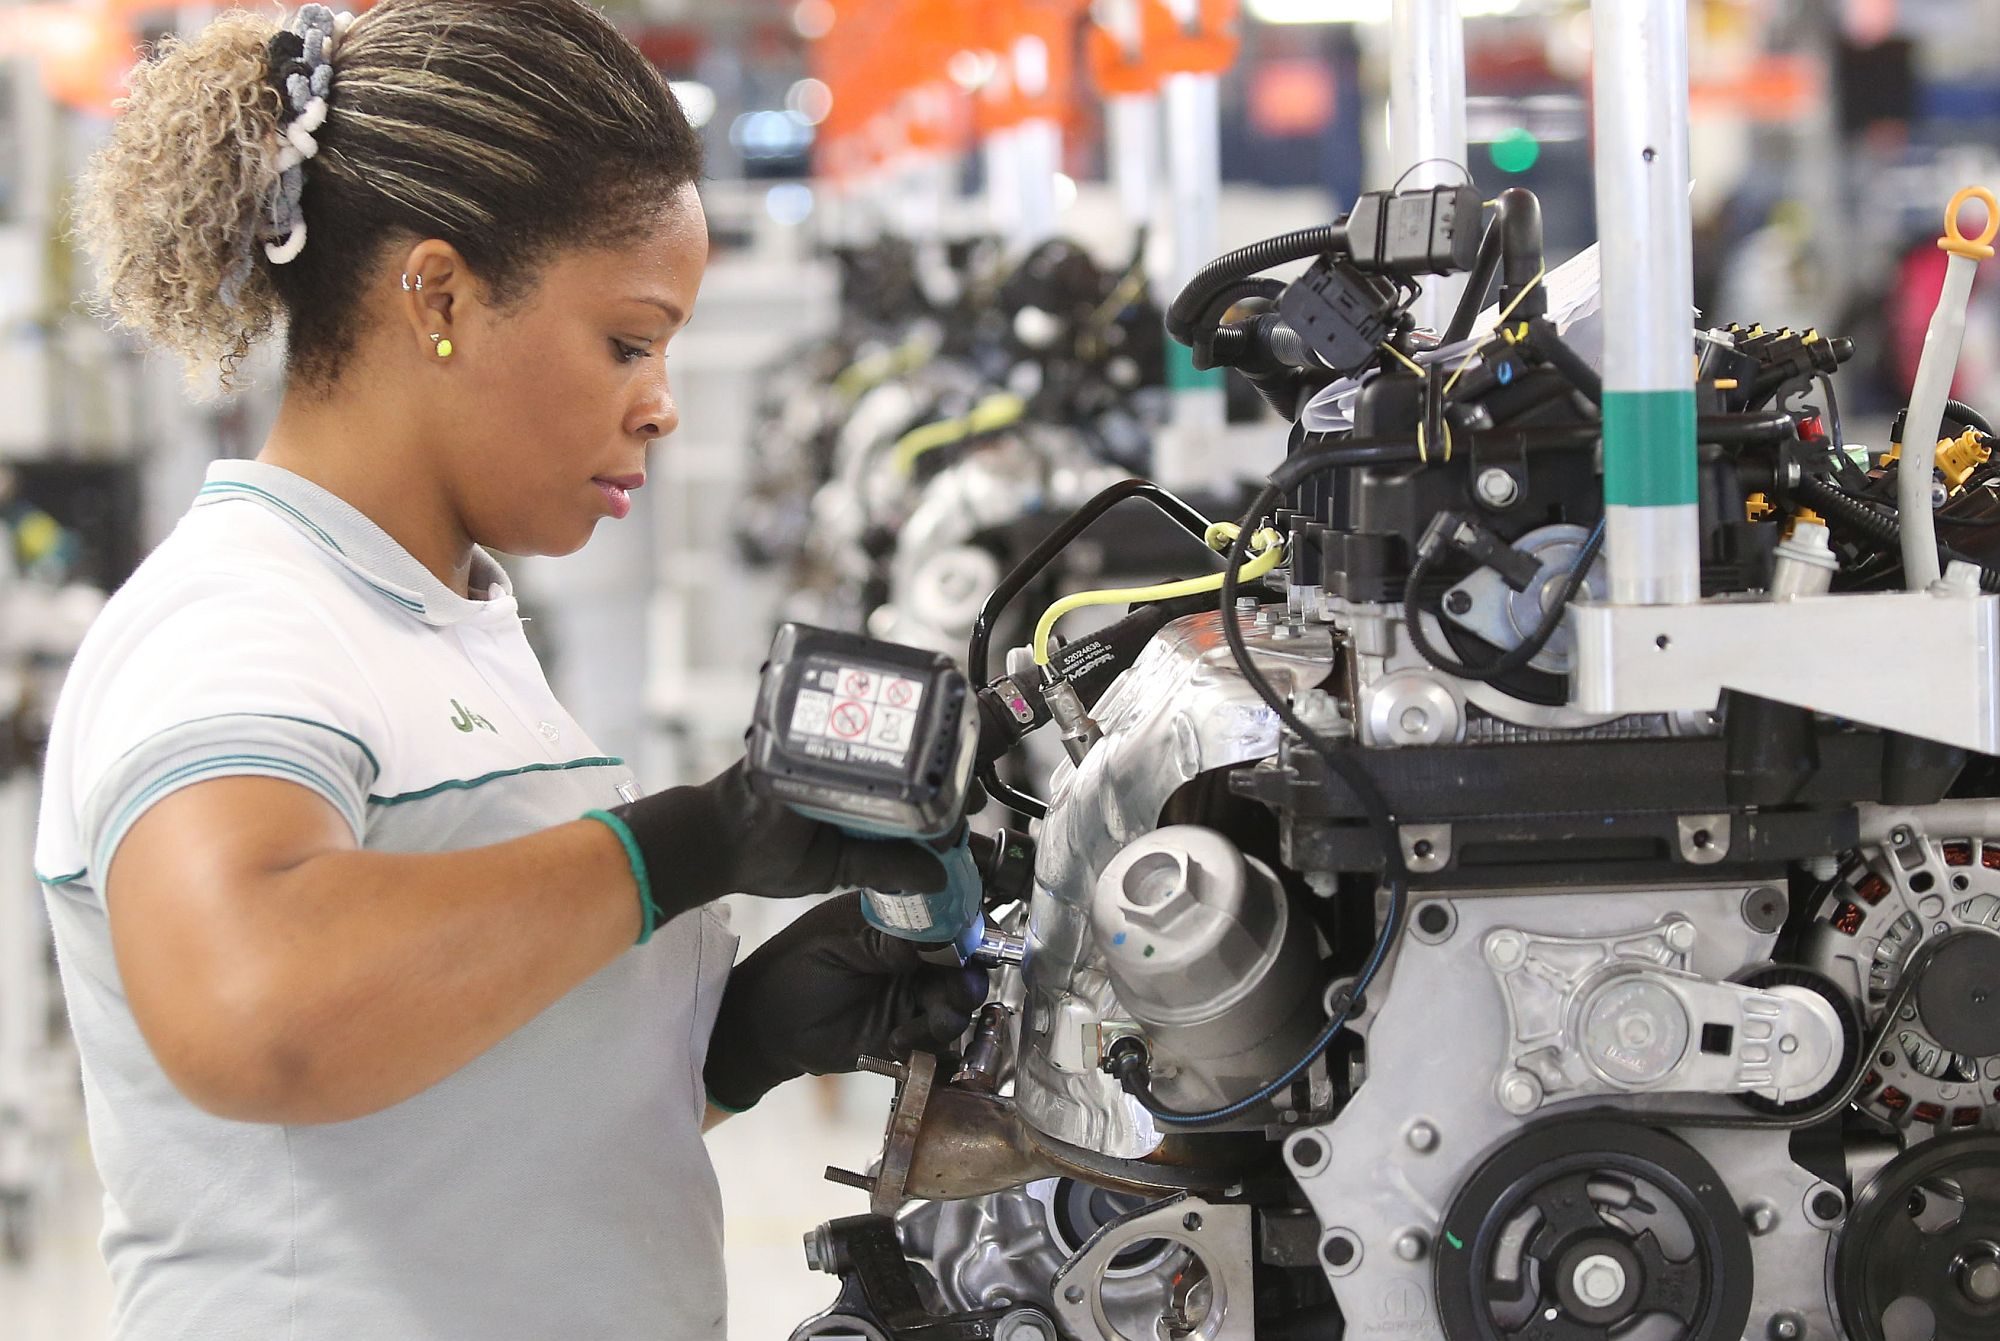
281, 974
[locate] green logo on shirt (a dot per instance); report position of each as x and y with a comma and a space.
465, 719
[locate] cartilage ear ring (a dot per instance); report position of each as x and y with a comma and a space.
443, 346
413, 286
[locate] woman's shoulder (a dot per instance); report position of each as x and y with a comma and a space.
237, 556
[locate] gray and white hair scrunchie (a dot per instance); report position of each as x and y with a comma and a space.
302, 71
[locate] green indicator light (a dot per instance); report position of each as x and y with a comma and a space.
1515, 151
1453, 1239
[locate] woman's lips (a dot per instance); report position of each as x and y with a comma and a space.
618, 494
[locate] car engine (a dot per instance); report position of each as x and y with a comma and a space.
1417, 948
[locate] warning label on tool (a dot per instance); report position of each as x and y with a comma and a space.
851, 714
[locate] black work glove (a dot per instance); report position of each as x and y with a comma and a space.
692, 845
824, 992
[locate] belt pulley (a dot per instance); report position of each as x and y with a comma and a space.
1579, 1227
1919, 1259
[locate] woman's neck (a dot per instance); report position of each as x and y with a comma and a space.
368, 458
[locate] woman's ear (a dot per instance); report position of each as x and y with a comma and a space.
435, 287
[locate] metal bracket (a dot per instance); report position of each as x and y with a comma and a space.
1704, 839
1219, 1238
1426, 847
1675, 658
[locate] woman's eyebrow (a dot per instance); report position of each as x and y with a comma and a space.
674, 314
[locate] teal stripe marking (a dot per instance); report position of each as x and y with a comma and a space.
219, 764
54, 882
225, 488
467, 784
352, 739
718, 1105
1182, 375
1649, 457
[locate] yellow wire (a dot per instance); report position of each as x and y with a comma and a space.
1402, 358
865, 374
996, 412
1473, 354
1267, 546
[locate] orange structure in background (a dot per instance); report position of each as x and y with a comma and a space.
1164, 48
83, 49
918, 75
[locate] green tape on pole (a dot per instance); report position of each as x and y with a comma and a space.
1649, 459
1182, 375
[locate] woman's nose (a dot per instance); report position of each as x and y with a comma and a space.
656, 415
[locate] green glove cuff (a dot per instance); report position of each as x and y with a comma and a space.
649, 912
722, 1107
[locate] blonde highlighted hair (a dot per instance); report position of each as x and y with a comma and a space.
510, 128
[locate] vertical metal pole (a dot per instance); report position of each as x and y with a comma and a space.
1003, 182
1038, 153
1133, 120
1652, 537
1191, 453
1427, 117
1135, 151
1037, 146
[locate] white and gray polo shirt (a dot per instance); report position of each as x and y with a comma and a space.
557, 1186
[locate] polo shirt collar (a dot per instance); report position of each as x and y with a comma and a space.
365, 549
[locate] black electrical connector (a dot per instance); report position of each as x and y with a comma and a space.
1340, 315
1429, 232
1516, 568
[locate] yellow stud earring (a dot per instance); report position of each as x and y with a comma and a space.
443, 346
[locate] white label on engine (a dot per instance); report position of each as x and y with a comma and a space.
904, 912
856, 715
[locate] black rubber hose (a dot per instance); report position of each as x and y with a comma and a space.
1857, 515
1971, 418
1521, 254
1739, 430
1880, 527
1244, 262
1029, 568
1512, 248
1544, 340
1474, 297
1207, 323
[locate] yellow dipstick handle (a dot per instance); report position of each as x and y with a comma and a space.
1956, 242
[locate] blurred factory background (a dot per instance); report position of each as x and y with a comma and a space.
928, 226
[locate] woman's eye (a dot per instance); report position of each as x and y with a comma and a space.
627, 353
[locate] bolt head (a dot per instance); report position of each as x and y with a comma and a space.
1505, 949
1411, 1246
1457, 602
1681, 936
1599, 1281
1025, 1325
1520, 1092
1981, 1282
1497, 488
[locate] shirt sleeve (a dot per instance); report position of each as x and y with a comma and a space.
241, 678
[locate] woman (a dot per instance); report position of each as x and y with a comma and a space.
368, 1051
